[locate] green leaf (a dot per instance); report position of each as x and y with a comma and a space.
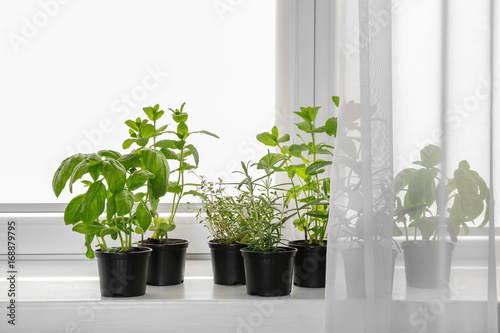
324, 152
130, 161
124, 202
301, 172
331, 126
132, 124
421, 188
194, 151
305, 126
174, 188
207, 133
274, 132
162, 128
182, 130
158, 115
63, 173
170, 154
139, 196
304, 115
471, 201
284, 138
402, 179
180, 118
109, 154
464, 165
165, 144
267, 139
153, 201
430, 156
316, 167
93, 202
78, 172
72, 213
296, 150
313, 111
318, 214
127, 143
155, 162
138, 179
95, 172
111, 208
270, 161
109, 231
143, 215
88, 244
149, 111
308, 113
426, 226
320, 129
89, 229
336, 100
195, 193
115, 175
142, 141
147, 131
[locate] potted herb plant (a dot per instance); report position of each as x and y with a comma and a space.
112, 182
268, 263
417, 209
167, 262
228, 236
309, 190
362, 226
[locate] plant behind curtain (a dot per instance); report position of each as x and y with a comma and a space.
411, 178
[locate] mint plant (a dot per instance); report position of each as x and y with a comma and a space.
176, 150
304, 163
417, 201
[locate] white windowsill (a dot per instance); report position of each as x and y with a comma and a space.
63, 296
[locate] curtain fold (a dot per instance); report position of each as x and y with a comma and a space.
412, 177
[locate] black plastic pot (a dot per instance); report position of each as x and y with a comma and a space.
167, 262
422, 266
354, 267
123, 274
269, 273
309, 264
227, 263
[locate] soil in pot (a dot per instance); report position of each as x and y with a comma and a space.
269, 273
123, 274
227, 262
355, 272
422, 264
167, 262
309, 264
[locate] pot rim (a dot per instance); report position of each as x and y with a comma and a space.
290, 243
231, 246
426, 244
184, 241
142, 251
287, 250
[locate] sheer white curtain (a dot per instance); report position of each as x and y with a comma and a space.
419, 83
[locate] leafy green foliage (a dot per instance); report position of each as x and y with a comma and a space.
161, 179
417, 206
303, 163
259, 209
218, 213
